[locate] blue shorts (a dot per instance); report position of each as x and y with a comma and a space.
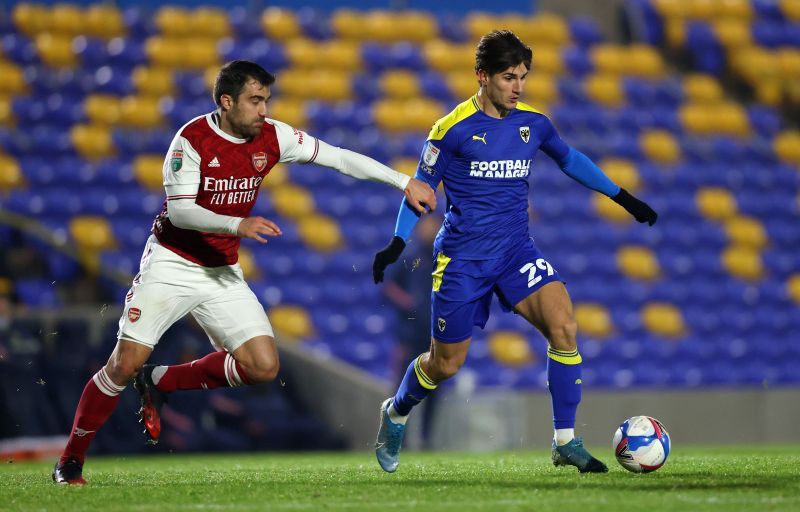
462, 289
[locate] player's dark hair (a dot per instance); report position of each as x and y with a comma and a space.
500, 50
235, 74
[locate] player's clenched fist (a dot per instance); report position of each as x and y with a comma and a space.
254, 227
419, 195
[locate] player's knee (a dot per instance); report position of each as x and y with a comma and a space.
442, 368
563, 334
121, 370
263, 371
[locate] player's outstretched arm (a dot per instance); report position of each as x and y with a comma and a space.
407, 219
254, 227
640, 210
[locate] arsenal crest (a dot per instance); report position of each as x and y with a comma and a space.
525, 133
134, 314
259, 161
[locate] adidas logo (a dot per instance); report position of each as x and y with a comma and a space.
214, 162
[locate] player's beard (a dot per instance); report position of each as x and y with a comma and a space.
245, 129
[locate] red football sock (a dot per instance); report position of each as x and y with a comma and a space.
218, 369
99, 398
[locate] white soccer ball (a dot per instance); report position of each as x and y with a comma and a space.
641, 444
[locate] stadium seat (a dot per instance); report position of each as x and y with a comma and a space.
609, 210
289, 110
248, 264
446, 57
292, 201
746, 231
277, 177
104, 21
66, 19
787, 146
173, 21
31, 19
92, 141
660, 146
510, 348
622, 172
793, 288
409, 115
663, 319
348, 24
541, 89
638, 263
732, 34
155, 82
320, 232
743, 262
13, 81
462, 84
715, 203
92, 233
56, 50
280, 24
605, 89
11, 175
148, 170
211, 22
400, 84
593, 320
102, 109
291, 322
140, 112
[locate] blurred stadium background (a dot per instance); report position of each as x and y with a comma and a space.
692, 104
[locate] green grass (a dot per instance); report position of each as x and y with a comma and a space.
695, 478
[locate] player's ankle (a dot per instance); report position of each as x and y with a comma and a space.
562, 436
395, 416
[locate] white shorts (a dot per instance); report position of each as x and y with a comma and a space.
168, 286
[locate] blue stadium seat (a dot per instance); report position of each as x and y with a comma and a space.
19, 48
37, 293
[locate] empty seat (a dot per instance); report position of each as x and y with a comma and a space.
292, 201
609, 210
140, 112
92, 233
605, 88
510, 348
743, 262
13, 81
173, 21
148, 170
104, 21
793, 287
291, 111
622, 172
663, 319
280, 24
445, 57
400, 84
211, 22
30, 19
92, 141
638, 263
56, 50
291, 322
593, 319
153, 81
746, 231
716, 203
660, 146
320, 232
102, 109
787, 146
10, 174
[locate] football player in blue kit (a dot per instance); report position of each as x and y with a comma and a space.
482, 153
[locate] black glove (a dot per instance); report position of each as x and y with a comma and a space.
386, 257
640, 210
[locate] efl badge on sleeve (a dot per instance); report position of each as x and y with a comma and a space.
525, 133
134, 314
431, 155
259, 161
176, 161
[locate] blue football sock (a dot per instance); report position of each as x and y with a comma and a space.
414, 388
564, 382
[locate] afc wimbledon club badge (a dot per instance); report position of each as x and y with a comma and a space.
177, 160
525, 133
259, 161
431, 155
441, 323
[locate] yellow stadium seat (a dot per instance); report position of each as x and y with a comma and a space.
290, 111
790, 9
622, 172
732, 34
731, 118
276, 178
593, 320
173, 21
6, 115
480, 24
349, 24
793, 287
418, 27
787, 146
166, 52
769, 92
546, 59
743, 262
210, 23
56, 50
716, 203
153, 81
663, 319
608, 58
200, 53
605, 89
102, 109
342, 55
294, 83
291, 322
140, 112
407, 166
543, 28
92, 141
698, 118
280, 24
292, 201
92, 233
409, 115
510, 348
702, 9
31, 19
746, 231
541, 89
248, 264
675, 30
638, 263
660, 146
702, 89
10, 174
644, 61
304, 53
6, 286
400, 84
383, 26
13, 81
67, 20
609, 210
671, 8
148, 170
321, 84
739, 10
789, 63
104, 21
462, 84
320, 232
445, 57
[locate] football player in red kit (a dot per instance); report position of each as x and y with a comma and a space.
212, 173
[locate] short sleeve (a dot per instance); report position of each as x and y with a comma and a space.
181, 169
436, 156
295, 145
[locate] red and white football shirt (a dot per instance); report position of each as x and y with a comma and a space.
223, 174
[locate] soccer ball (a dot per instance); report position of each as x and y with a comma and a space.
641, 444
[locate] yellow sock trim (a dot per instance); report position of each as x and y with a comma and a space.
565, 357
424, 381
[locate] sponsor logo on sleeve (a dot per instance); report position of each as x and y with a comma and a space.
299, 135
431, 155
259, 161
176, 160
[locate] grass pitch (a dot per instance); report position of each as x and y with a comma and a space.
695, 478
